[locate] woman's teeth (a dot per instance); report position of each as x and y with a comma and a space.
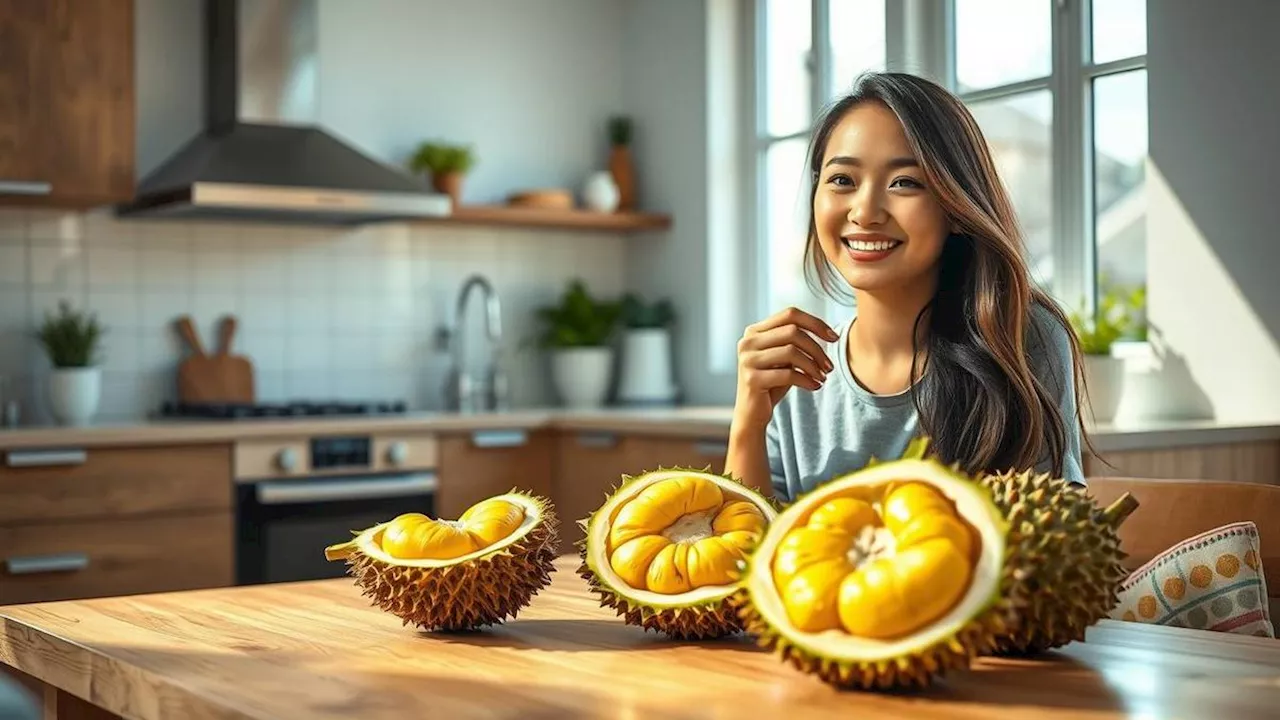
872, 246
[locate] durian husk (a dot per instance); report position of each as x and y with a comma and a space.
921, 665
1076, 560
712, 617
484, 588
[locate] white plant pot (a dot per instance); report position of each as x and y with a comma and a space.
600, 193
74, 394
1104, 379
581, 375
647, 377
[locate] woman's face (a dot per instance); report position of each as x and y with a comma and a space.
877, 222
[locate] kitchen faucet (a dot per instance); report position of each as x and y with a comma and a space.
463, 391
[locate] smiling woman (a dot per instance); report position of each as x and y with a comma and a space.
951, 338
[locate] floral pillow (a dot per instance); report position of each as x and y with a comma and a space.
1212, 581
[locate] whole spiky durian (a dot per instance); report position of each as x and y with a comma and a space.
664, 550
479, 570
1076, 558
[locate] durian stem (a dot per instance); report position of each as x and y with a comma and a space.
1118, 511
340, 551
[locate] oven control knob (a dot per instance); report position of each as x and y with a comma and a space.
287, 459
397, 453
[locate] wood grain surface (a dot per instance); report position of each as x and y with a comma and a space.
319, 650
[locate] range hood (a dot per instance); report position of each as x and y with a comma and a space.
261, 155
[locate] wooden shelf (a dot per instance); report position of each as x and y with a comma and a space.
575, 219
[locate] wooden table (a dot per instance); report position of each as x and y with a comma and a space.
318, 650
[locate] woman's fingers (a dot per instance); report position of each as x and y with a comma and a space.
759, 379
787, 356
786, 335
797, 317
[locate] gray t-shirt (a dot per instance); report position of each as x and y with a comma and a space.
815, 436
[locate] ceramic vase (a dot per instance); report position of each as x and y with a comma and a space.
74, 394
600, 192
581, 375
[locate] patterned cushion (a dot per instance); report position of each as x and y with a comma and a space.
1212, 581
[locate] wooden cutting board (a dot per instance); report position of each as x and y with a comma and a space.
217, 378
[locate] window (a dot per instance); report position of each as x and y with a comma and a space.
1058, 87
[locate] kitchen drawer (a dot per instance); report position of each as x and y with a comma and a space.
38, 486
60, 561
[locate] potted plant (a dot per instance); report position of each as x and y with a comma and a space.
71, 340
1103, 371
647, 375
621, 165
577, 331
447, 164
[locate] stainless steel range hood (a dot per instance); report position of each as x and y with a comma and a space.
261, 156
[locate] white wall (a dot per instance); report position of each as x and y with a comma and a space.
327, 313
1212, 216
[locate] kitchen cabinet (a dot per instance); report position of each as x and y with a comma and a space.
483, 463
77, 523
1251, 462
66, 102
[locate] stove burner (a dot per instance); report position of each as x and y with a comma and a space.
233, 411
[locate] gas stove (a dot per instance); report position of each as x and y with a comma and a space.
295, 408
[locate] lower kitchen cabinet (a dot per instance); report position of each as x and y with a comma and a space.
483, 463
1251, 462
94, 522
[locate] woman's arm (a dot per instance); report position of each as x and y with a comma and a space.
748, 458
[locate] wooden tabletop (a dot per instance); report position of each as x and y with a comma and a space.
319, 650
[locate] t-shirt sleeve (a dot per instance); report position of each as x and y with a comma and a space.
1054, 365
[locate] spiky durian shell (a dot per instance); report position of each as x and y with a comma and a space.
699, 621
468, 595
1075, 557
977, 637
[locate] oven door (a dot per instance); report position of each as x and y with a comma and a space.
283, 526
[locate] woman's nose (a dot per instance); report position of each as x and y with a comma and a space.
866, 208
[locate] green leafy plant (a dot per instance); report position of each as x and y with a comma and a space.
578, 319
1112, 321
70, 338
638, 314
441, 158
620, 130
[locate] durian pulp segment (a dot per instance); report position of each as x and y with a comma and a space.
370, 541
601, 524
983, 585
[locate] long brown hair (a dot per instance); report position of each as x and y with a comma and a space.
980, 402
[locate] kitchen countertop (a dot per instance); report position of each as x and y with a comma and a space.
319, 650
703, 423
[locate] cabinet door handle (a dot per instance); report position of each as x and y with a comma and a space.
32, 564
44, 458
499, 438
25, 187
711, 447
597, 439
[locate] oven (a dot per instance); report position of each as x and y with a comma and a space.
297, 495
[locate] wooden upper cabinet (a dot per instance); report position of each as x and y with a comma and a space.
66, 102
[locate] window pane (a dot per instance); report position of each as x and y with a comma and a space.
788, 74
1019, 129
1119, 157
856, 37
785, 222
1001, 41
1119, 29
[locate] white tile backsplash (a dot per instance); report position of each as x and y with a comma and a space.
322, 312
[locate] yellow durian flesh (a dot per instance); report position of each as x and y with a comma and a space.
875, 574
414, 536
682, 533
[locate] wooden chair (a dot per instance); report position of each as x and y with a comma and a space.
1171, 511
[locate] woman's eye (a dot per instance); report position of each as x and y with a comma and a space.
907, 182
840, 180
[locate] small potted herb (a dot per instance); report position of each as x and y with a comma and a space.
578, 331
71, 340
1103, 371
647, 373
447, 165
